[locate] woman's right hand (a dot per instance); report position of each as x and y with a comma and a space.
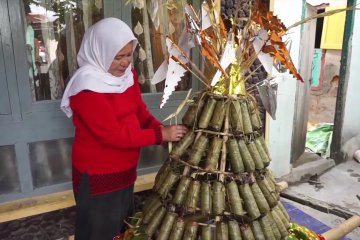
173, 133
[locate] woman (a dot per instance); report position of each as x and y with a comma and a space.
111, 125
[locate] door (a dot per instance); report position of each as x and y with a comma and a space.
303, 89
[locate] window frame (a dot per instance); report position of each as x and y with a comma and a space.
111, 8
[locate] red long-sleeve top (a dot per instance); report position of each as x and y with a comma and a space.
110, 129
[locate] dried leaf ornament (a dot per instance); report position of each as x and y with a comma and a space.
268, 95
227, 58
142, 54
171, 28
266, 19
223, 31
259, 41
160, 73
173, 77
275, 29
138, 4
153, 10
192, 23
205, 16
175, 50
278, 50
186, 42
174, 73
138, 29
208, 51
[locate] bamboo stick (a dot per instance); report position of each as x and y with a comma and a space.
343, 229
148, 51
223, 154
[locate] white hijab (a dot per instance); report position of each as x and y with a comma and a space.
100, 44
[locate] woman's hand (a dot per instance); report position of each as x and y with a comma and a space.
173, 133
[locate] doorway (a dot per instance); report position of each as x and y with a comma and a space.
320, 67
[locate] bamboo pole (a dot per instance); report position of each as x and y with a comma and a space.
343, 229
149, 60
224, 150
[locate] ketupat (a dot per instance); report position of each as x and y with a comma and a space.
254, 115
281, 226
155, 221
234, 198
255, 155
180, 147
193, 112
260, 199
170, 179
267, 228
218, 116
218, 199
166, 226
180, 193
236, 162
222, 231
207, 113
268, 194
257, 231
249, 201
206, 232
246, 156
246, 118
177, 230
246, 232
234, 230
192, 197
205, 198
198, 149
263, 154
213, 153
190, 232
236, 117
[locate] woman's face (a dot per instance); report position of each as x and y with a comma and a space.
122, 60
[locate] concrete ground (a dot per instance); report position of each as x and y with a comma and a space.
337, 188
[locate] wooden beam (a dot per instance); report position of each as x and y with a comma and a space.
56, 201
336, 152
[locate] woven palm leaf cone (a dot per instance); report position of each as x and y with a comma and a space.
216, 181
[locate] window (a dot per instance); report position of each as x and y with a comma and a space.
54, 31
9, 180
152, 21
50, 161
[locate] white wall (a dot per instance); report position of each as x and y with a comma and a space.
331, 2
351, 124
280, 130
